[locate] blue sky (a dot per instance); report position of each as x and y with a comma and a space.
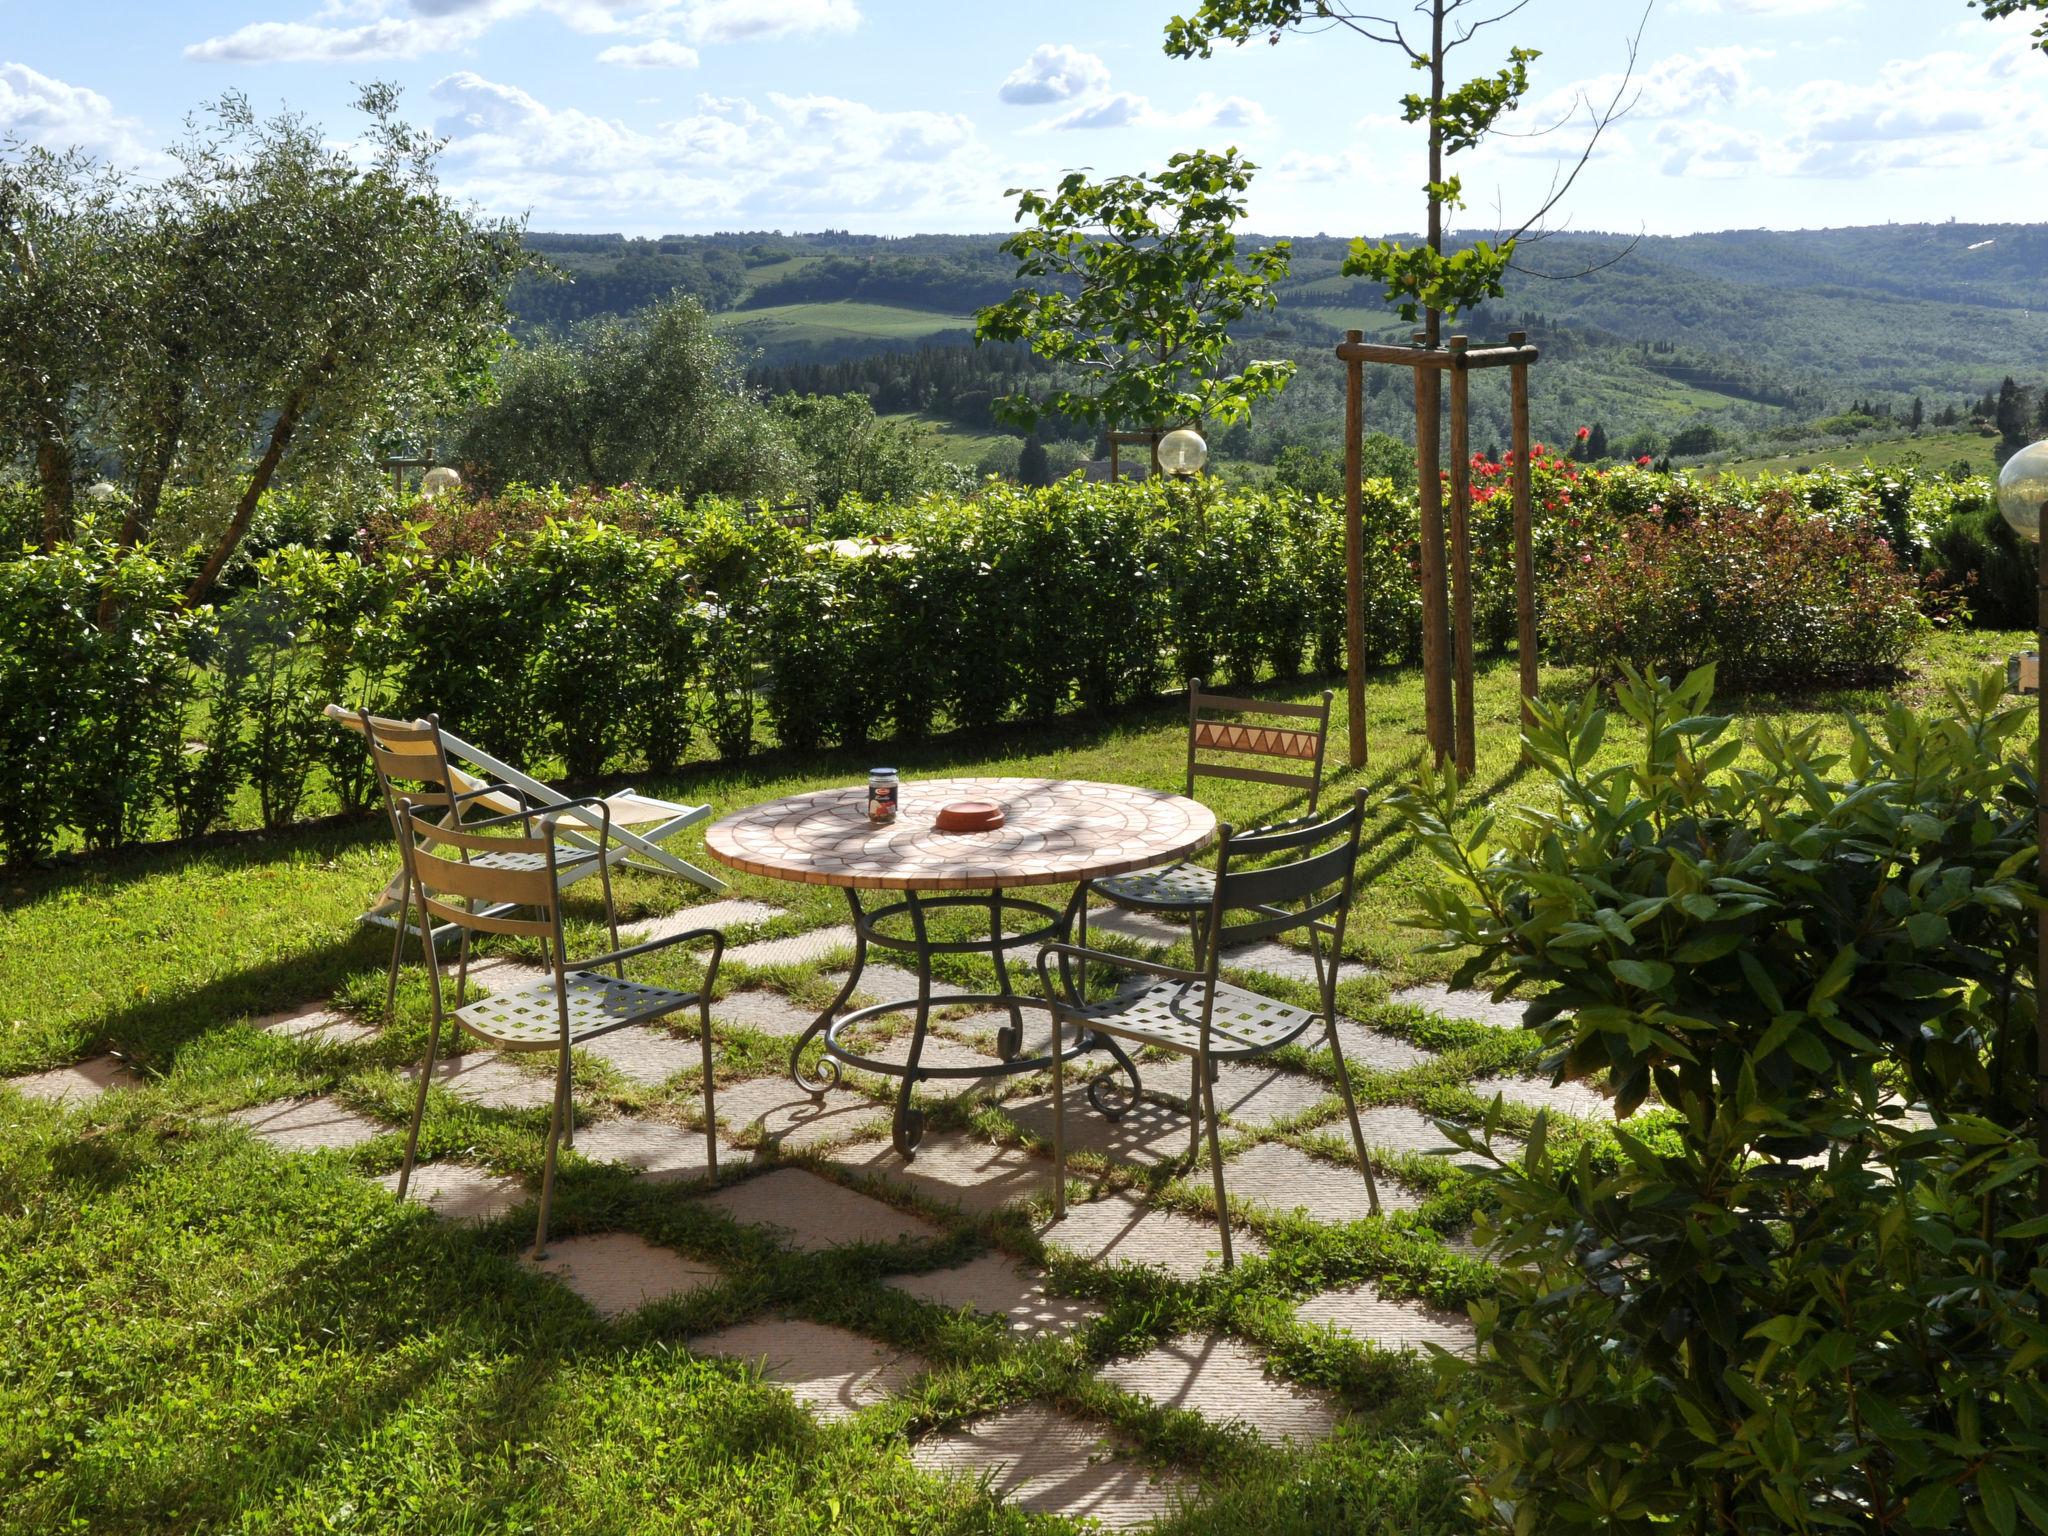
893, 116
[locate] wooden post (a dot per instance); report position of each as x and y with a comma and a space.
1355, 659
1525, 557
1461, 558
1112, 458
1436, 661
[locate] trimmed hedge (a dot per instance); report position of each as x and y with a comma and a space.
626, 627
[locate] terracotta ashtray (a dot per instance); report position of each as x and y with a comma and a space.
970, 816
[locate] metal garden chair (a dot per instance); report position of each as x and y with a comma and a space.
1194, 1013
502, 875
1184, 891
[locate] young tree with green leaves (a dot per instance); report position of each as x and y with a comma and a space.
1419, 280
1994, 9
1136, 281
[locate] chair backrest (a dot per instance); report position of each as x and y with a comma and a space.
1298, 744
1313, 889
475, 896
410, 760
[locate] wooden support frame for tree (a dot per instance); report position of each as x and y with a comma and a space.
1147, 438
1448, 709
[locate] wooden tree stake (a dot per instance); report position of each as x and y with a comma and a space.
1525, 557
1461, 559
1436, 661
1355, 659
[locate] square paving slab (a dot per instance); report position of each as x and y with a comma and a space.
764, 1009
1140, 927
483, 1078
657, 1151
1252, 1093
1285, 961
1001, 1287
774, 1111
798, 949
1039, 1459
1224, 1380
1364, 1047
317, 1024
812, 1214
618, 1272
499, 974
1569, 1097
78, 1083
733, 912
1278, 1177
1398, 1128
647, 1053
458, 1193
307, 1125
1434, 997
956, 1168
1119, 1228
1388, 1322
832, 1372
1148, 1134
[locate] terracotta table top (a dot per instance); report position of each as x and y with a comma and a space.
1056, 830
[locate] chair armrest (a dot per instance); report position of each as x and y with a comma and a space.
1082, 952
618, 956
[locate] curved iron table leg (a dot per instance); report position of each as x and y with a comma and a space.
1077, 923
828, 1069
995, 940
909, 1127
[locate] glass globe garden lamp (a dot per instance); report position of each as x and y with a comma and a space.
1182, 453
437, 480
2023, 490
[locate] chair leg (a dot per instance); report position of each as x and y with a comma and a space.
1372, 1190
419, 1103
547, 1176
1215, 1155
710, 1103
1059, 1124
397, 955
1194, 1107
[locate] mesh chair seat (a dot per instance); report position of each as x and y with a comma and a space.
1175, 888
567, 859
1169, 1014
527, 1019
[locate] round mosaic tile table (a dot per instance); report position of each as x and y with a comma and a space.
1055, 832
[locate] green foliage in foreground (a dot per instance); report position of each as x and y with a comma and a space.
1804, 1310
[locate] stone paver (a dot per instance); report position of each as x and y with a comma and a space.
831, 1371
764, 1009
939, 1050
733, 912
490, 1081
1119, 1228
656, 1150
1039, 1459
499, 974
307, 1125
882, 982
1139, 927
458, 1193
1148, 1134
619, 1272
1389, 1322
1282, 1179
1225, 1380
1364, 1047
812, 1214
78, 1083
774, 1111
797, 949
1436, 998
1397, 1128
1285, 961
956, 1168
647, 1053
996, 1284
317, 1024
1568, 1097
1253, 1093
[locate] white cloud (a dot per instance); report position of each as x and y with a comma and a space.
1942, 110
659, 54
1680, 85
728, 162
1125, 109
1054, 72
409, 29
58, 115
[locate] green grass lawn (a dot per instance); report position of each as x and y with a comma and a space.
787, 324
1936, 450
961, 445
207, 1335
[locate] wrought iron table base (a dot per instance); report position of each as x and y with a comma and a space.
921, 947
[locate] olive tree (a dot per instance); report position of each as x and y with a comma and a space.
656, 398
1136, 283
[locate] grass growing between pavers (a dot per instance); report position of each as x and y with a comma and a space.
207, 1333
